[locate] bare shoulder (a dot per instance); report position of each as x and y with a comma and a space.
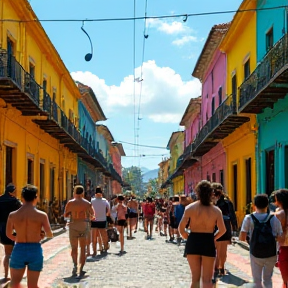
40, 213
86, 202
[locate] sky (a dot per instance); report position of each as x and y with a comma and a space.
144, 112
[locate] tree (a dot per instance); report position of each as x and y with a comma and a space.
133, 176
153, 187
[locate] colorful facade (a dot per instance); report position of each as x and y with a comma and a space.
43, 113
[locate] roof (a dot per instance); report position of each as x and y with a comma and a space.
120, 148
193, 107
174, 135
91, 103
212, 43
105, 131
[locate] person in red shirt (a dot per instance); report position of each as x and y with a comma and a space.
149, 216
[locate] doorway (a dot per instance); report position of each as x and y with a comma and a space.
270, 171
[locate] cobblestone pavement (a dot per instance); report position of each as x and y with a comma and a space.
147, 263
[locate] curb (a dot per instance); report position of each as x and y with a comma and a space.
56, 232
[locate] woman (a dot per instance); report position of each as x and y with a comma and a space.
200, 250
281, 197
149, 216
121, 210
225, 205
132, 215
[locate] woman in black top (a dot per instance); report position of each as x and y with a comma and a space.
8, 203
222, 201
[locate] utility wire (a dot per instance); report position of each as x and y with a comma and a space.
147, 17
148, 146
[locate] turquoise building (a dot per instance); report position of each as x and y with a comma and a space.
265, 93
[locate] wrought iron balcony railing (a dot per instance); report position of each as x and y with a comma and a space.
226, 108
273, 65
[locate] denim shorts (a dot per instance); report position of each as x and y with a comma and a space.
27, 254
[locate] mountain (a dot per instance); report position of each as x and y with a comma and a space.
144, 170
150, 174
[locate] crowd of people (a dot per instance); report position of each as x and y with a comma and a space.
204, 222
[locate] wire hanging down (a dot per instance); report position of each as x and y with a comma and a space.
88, 56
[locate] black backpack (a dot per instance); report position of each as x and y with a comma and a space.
263, 242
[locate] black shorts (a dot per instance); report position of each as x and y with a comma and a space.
200, 244
3, 237
173, 223
133, 215
98, 224
121, 223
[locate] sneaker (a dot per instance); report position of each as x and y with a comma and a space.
74, 272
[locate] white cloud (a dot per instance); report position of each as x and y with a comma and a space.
184, 40
174, 27
164, 96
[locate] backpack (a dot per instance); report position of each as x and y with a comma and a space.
263, 242
112, 235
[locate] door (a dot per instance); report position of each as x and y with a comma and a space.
248, 185
270, 171
235, 186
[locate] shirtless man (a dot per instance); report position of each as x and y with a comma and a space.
132, 216
80, 212
27, 222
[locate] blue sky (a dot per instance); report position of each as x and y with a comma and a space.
171, 51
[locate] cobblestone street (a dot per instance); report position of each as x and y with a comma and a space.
147, 263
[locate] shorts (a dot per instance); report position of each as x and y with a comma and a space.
3, 237
132, 215
149, 217
121, 223
99, 224
200, 244
78, 229
27, 254
173, 223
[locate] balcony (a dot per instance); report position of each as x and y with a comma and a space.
269, 81
222, 123
185, 160
18, 87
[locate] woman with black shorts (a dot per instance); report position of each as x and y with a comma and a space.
121, 222
200, 250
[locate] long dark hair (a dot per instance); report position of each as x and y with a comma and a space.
281, 196
204, 191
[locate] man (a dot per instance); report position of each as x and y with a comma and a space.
80, 212
24, 226
178, 213
260, 226
132, 215
101, 209
8, 203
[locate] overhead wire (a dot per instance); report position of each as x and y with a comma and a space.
148, 146
185, 16
145, 36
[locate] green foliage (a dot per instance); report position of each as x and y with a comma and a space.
133, 176
153, 188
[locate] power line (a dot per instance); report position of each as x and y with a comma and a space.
148, 146
147, 155
185, 16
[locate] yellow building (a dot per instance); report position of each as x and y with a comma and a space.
239, 44
176, 146
163, 175
38, 107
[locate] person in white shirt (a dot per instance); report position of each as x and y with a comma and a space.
262, 260
101, 208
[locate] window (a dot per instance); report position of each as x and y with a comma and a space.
248, 182
30, 171
44, 84
213, 106
213, 177
42, 181
221, 177
52, 183
32, 70
269, 39
235, 186
208, 177
9, 165
220, 95
234, 85
247, 69
10, 47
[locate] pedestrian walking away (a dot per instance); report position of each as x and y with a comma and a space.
24, 226
222, 201
101, 209
260, 229
8, 203
201, 217
80, 212
281, 197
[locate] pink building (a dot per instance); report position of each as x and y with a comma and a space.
191, 166
210, 69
